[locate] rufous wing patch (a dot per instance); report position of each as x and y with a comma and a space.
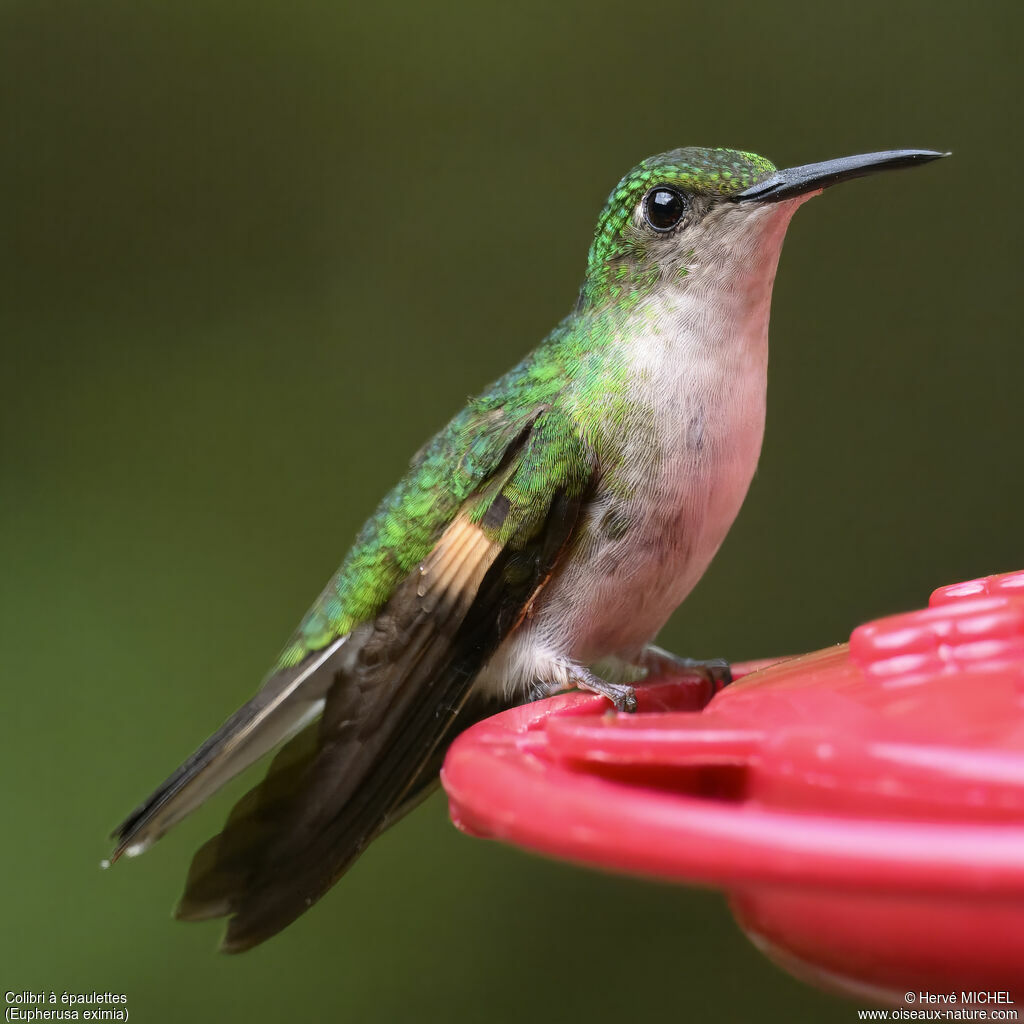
453, 571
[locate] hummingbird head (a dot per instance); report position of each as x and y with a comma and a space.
696, 209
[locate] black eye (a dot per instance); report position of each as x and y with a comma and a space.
664, 208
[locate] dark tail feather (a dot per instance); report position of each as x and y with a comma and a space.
217, 876
220, 872
316, 814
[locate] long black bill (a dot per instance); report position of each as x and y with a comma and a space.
809, 177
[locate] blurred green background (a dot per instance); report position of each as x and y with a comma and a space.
254, 254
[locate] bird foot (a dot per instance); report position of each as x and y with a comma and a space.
622, 695
715, 671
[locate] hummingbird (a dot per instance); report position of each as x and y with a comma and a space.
538, 543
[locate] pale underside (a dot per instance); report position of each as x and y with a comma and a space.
698, 356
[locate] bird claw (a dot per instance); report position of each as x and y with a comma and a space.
622, 695
624, 699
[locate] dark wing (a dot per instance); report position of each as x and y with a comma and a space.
471, 452
395, 696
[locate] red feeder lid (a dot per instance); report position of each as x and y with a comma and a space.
863, 806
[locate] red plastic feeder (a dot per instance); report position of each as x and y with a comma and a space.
863, 806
